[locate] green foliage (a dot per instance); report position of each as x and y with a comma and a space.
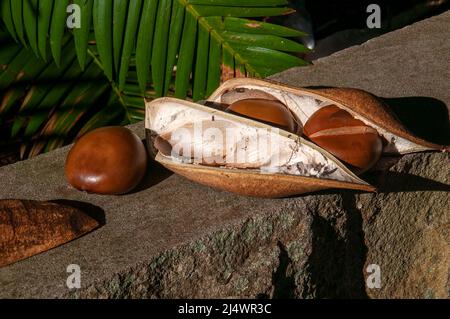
53, 82
45, 105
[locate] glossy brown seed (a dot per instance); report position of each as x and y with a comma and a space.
237, 94
270, 112
108, 160
347, 138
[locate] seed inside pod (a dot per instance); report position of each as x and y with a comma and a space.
347, 138
237, 94
270, 112
108, 160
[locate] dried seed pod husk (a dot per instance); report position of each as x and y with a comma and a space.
300, 165
30, 227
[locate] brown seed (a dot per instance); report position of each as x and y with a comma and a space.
270, 112
347, 138
235, 95
108, 160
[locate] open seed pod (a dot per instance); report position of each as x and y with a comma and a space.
205, 144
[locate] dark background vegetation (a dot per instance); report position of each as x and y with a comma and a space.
336, 25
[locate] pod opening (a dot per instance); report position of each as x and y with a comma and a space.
304, 103
190, 133
356, 144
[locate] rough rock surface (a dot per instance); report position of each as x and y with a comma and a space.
174, 238
406, 226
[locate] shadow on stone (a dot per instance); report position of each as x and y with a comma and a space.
283, 282
91, 210
336, 263
330, 191
425, 117
155, 173
389, 182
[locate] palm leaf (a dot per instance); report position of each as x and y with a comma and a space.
102, 14
17, 17
44, 106
7, 17
205, 41
145, 42
134, 9
57, 27
30, 16
45, 17
119, 17
81, 35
